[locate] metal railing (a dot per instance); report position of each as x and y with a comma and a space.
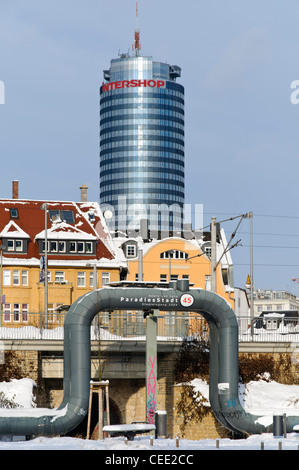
269, 329
112, 326
172, 326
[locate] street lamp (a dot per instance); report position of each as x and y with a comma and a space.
44, 207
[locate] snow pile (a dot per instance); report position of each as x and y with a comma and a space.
262, 397
19, 391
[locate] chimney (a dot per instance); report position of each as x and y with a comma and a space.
15, 189
84, 189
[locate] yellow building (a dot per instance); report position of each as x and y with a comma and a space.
80, 256
177, 258
24, 293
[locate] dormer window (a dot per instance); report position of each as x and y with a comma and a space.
62, 216
131, 251
14, 214
91, 217
14, 245
68, 247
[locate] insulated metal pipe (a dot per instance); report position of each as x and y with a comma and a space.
224, 381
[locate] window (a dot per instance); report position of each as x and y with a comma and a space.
25, 311
174, 254
16, 277
131, 250
53, 247
73, 247
47, 247
14, 213
208, 283
61, 247
91, 278
50, 313
105, 278
80, 246
19, 245
81, 279
24, 278
6, 312
163, 277
10, 245
208, 251
68, 217
55, 216
62, 216
6, 277
15, 245
16, 312
59, 276
88, 247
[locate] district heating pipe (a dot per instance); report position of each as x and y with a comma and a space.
223, 383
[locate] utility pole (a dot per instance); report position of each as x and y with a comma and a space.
140, 323
151, 365
140, 264
213, 255
44, 207
2, 247
250, 216
170, 254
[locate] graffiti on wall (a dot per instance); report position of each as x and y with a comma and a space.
151, 403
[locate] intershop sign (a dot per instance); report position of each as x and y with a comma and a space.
133, 84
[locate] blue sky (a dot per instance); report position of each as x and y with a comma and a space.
238, 60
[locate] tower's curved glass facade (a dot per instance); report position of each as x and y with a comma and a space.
142, 143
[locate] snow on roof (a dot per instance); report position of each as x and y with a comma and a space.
196, 243
12, 230
63, 231
89, 224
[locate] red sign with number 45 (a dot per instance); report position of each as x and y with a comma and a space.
186, 300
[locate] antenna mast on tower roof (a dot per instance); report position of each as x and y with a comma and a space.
137, 45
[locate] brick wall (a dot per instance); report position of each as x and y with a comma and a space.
287, 370
207, 428
128, 396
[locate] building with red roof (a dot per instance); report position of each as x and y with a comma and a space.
80, 254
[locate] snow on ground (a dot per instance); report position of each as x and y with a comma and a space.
115, 444
270, 397
262, 397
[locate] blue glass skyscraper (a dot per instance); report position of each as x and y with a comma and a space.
142, 142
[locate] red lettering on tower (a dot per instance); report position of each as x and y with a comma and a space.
132, 84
